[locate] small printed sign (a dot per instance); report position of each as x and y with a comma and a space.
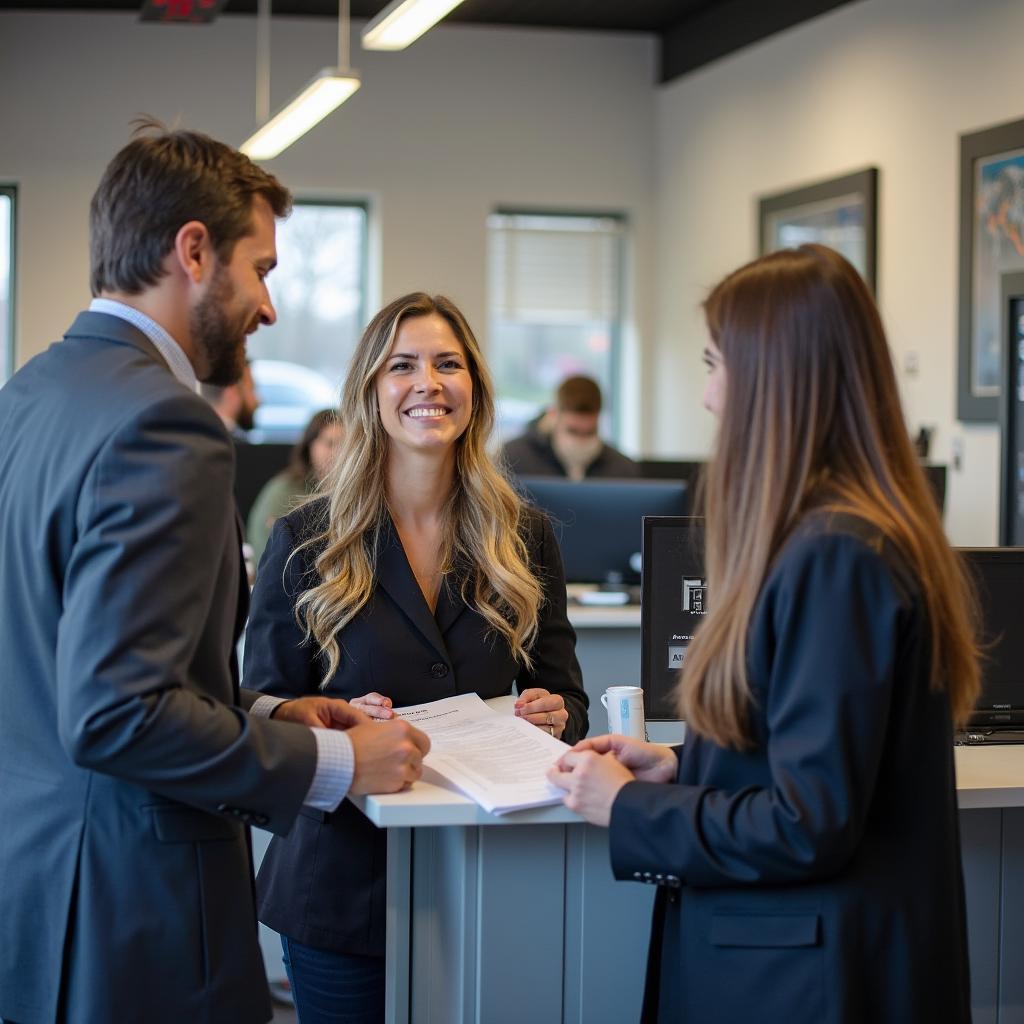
694, 595
195, 12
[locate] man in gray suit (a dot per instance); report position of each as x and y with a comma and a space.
130, 762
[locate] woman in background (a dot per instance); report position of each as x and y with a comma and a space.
805, 841
421, 576
310, 462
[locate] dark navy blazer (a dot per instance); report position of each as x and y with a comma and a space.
323, 883
816, 878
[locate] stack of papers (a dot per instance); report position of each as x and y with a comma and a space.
497, 759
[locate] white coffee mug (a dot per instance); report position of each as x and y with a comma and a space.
625, 707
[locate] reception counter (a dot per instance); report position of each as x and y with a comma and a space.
517, 918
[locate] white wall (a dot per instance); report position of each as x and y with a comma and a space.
465, 120
884, 82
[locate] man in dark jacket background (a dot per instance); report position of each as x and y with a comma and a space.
564, 440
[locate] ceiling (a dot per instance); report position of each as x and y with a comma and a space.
691, 32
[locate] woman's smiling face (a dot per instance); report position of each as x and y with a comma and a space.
425, 389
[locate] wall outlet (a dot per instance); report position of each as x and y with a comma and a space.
911, 364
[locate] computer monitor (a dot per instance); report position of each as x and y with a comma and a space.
599, 523
672, 469
936, 476
999, 576
672, 605
255, 464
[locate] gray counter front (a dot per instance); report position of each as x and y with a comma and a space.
517, 918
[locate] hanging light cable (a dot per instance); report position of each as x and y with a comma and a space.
327, 90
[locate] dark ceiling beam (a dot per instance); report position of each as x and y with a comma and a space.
723, 28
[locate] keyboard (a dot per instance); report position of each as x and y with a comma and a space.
987, 737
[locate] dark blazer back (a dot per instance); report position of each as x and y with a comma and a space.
815, 878
323, 884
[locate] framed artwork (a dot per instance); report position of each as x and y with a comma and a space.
1011, 409
840, 213
991, 244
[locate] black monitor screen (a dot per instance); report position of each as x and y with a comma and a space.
599, 523
999, 576
673, 604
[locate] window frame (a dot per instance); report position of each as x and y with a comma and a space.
613, 393
7, 356
360, 203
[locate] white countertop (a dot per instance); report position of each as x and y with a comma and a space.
985, 777
626, 616
990, 776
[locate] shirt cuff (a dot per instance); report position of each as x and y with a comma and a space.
263, 707
335, 767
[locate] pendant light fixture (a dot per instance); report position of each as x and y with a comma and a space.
327, 90
404, 21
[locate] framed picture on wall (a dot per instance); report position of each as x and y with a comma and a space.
1011, 409
840, 213
991, 243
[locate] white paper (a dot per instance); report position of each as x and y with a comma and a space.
497, 759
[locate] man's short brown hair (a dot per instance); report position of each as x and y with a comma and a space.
161, 180
578, 394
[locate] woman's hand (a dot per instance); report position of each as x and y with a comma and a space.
591, 782
649, 762
376, 705
544, 709
594, 771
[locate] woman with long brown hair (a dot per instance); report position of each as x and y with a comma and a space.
805, 840
417, 574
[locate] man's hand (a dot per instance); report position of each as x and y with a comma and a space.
319, 712
389, 756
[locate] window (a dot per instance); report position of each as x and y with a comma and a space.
7, 196
556, 307
319, 292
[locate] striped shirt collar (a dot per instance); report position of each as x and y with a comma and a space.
171, 351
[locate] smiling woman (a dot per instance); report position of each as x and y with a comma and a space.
417, 574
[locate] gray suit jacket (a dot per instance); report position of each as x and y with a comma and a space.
128, 770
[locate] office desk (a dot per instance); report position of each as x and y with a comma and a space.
990, 792
518, 918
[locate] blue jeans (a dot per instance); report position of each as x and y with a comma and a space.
334, 988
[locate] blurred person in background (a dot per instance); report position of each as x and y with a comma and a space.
311, 460
564, 440
235, 403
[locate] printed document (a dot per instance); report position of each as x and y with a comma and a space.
497, 759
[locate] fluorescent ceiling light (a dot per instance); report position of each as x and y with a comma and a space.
326, 92
403, 22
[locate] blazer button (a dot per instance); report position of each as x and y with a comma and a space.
439, 670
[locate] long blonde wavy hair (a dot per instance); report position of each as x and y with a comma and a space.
811, 420
484, 519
